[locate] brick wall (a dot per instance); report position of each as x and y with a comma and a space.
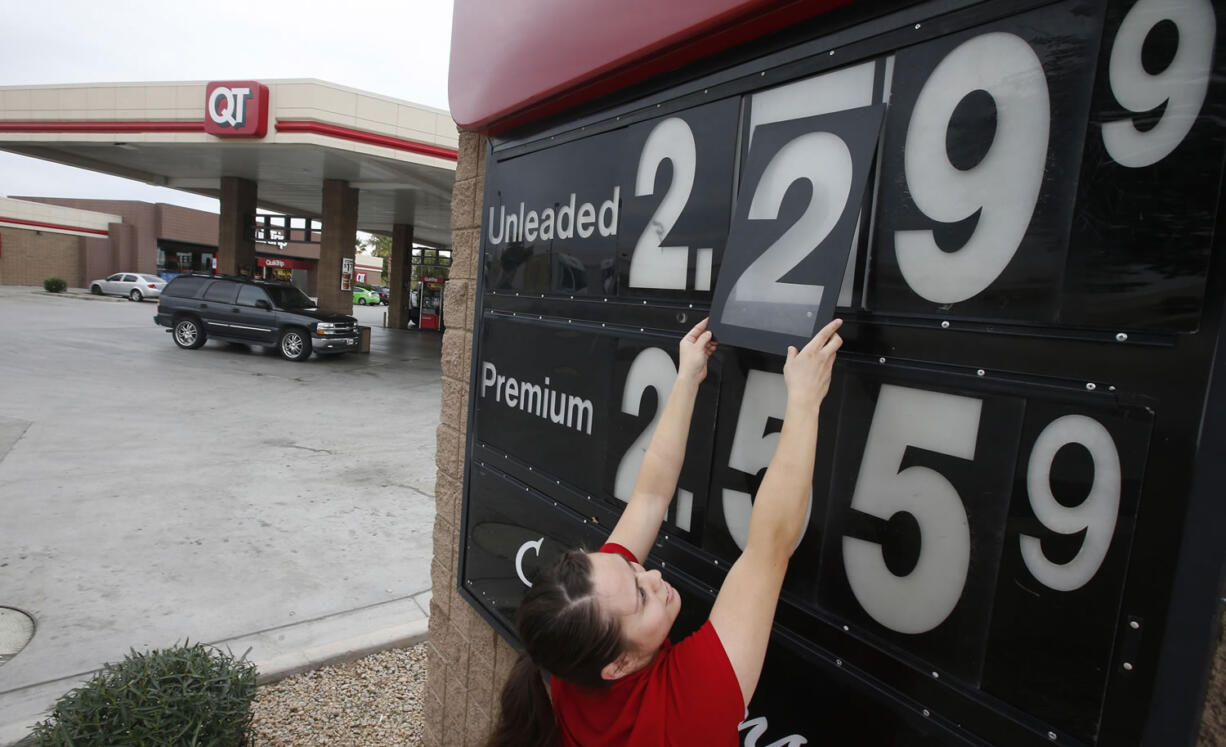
185, 224
468, 661
30, 257
138, 253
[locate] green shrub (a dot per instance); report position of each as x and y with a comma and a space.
185, 695
54, 285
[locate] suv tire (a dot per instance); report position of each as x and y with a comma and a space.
135, 296
188, 333
294, 344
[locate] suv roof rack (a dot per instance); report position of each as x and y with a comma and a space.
235, 278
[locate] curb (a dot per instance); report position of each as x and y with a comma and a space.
340, 652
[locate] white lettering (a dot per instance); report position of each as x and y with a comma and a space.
519, 558
501, 220
530, 226
547, 224
565, 220
488, 375
561, 408
513, 226
567, 213
574, 414
757, 728
530, 397
609, 208
583, 221
234, 113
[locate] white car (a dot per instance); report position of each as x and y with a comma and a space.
136, 286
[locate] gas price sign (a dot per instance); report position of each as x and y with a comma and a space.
1013, 207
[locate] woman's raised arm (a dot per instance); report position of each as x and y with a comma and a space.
639, 524
745, 606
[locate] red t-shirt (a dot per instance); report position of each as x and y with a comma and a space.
687, 695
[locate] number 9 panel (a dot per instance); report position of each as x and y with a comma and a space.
973, 213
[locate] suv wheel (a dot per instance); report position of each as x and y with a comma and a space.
188, 334
294, 345
135, 295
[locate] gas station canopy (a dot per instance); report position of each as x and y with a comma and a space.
286, 136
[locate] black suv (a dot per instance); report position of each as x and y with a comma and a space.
256, 312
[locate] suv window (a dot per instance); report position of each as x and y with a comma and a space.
289, 297
184, 286
221, 291
249, 294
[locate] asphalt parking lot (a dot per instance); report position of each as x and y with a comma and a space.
151, 495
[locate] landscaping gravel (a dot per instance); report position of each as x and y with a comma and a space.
368, 702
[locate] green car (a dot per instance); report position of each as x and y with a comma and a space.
364, 297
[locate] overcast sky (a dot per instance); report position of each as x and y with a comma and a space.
397, 48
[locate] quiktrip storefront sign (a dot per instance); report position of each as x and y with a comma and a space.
1014, 208
236, 108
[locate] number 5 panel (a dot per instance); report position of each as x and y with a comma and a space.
752, 402
917, 507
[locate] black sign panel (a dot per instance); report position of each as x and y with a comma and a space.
972, 215
1156, 120
540, 401
794, 228
1022, 250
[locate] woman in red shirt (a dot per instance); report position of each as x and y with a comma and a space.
598, 622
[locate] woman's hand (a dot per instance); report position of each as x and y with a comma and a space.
807, 372
696, 347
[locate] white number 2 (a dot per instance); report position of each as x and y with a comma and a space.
824, 160
944, 423
1181, 87
653, 265
1003, 188
652, 369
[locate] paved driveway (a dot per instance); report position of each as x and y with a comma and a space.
150, 495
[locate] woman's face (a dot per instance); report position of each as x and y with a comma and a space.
643, 603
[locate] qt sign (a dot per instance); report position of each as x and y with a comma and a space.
237, 108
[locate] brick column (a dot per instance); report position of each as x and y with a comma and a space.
400, 276
340, 227
235, 244
468, 661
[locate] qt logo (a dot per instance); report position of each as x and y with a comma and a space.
236, 108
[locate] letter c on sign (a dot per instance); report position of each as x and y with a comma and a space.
519, 558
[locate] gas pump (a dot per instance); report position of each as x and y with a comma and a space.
430, 298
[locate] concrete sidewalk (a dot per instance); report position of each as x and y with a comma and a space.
150, 495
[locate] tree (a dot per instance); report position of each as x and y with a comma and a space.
380, 246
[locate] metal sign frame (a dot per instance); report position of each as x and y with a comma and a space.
1145, 380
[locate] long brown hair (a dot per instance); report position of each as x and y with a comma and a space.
564, 633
